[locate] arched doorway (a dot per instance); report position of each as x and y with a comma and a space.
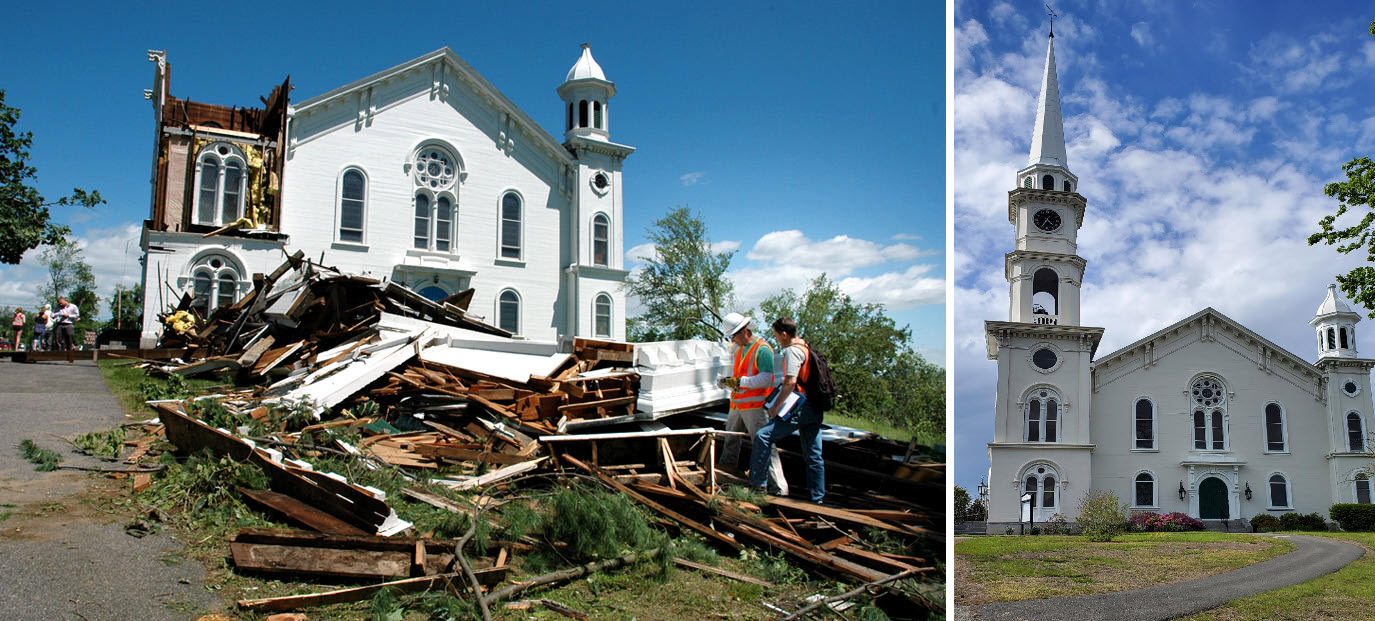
1212, 499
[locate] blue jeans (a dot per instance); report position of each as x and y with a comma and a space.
808, 424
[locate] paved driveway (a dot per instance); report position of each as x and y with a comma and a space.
60, 557
1312, 558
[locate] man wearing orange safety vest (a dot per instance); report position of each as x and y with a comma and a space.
800, 417
750, 382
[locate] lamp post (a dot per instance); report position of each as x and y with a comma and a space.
1030, 512
983, 496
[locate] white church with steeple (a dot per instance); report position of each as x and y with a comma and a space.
1203, 417
423, 174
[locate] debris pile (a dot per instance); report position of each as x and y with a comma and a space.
370, 372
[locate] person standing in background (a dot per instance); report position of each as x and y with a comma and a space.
18, 325
40, 329
67, 315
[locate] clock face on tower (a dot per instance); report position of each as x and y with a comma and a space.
1046, 219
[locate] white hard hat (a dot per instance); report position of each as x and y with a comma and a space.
733, 323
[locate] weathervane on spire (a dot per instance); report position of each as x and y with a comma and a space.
1051, 13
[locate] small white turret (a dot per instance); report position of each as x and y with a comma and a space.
586, 93
1335, 323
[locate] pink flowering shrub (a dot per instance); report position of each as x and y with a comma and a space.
1163, 522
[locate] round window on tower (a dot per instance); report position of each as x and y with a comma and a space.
1045, 357
1350, 388
601, 182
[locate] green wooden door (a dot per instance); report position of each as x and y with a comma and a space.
1212, 499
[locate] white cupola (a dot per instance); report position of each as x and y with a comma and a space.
585, 93
1336, 326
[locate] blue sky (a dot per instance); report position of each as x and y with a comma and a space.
1201, 133
816, 129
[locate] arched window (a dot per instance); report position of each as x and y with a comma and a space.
443, 224
1362, 491
1028, 182
582, 113
353, 189
508, 311
1145, 424
1355, 432
1045, 294
510, 226
214, 283
1331, 338
1209, 399
1042, 416
570, 116
1048, 182
1342, 334
220, 185
1067, 186
1144, 492
422, 221
435, 174
1041, 482
1275, 436
1279, 491
597, 114
601, 239
601, 316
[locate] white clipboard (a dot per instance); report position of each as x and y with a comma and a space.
790, 403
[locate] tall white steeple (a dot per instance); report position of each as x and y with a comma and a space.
1047, 167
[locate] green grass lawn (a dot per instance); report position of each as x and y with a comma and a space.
1345, 594
1001, 569
127, 383
883, 429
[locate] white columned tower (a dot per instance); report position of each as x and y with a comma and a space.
1041, 442
594, 271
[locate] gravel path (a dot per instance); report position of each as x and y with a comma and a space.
1312, 558
61, 558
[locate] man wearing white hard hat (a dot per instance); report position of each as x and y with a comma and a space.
750, 381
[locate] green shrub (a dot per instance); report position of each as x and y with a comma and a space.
1056, 525
1102, 516
101, 443
1302, 521
1264, 523
1353, 517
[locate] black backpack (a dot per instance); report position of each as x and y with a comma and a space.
820, 387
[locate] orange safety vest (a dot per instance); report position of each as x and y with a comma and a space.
746, 365
804, 372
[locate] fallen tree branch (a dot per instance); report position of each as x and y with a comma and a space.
862, 588
468, 568
115, 470
516, 588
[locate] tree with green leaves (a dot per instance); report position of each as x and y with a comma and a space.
126, 308
1356, 193
878, 375
69, 275
24, 219
682, 286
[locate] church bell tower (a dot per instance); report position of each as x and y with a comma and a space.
1041, 448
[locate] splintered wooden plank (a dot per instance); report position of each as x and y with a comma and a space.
500, 474
486, 577
608, 403
301, 513
321, 561
467, 453
849, 517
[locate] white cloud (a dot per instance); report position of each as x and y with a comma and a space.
906, 237
897, 291
1141, 32
693, 178
839, 255
725, 246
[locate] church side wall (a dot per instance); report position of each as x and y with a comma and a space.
1180, 359
407, 116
